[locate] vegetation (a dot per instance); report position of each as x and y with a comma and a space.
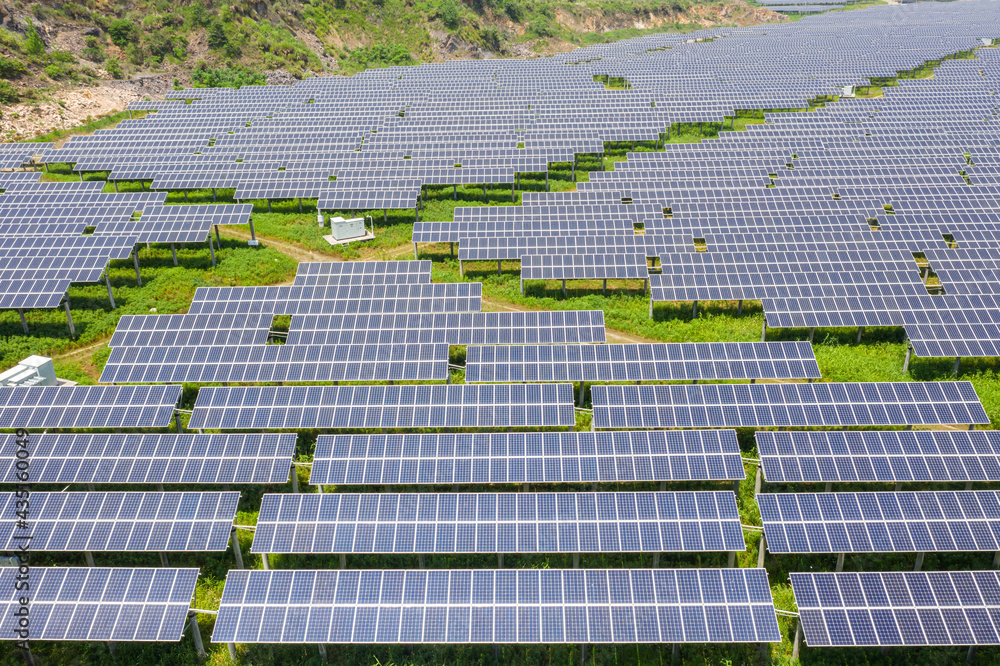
230, 77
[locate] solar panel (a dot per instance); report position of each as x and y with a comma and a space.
641, 362
499, 523
426, 406
171, 458
506, 606
132, 522
88, 406
888, 608
98, 604
546, 457
798, 405
277, 363
881, 522
879, 456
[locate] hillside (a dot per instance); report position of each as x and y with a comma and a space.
64, 63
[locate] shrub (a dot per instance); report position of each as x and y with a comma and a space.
514, 10
114, 68
62, 56
8, 93
10, 68
229, 77
541, 27
217, 35
54, 71
33, 43
76, 11
122, 32
382, 55
449, 13
491, 38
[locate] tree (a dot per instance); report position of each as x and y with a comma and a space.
122, 32
33, 43
217, 35
449, 14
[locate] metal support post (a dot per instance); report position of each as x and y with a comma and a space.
694, 309
116, 186
111, 296
89, 557
218, 241
756, 481
253, 234
736, 487
739, 307
829, 487
24, 322
69, 318
583, 654
958, 365
173, 251
656, 560
498, 267
840, 562
564, 288
798, 639
421, 562
264, 561
676, 654
580, 399
343, 560
996, 560
214, 200
968, 485
135, 262
177, 420
546, 181
164, 562
211, 248
604, 288
906, 361
322, 652
185, 194
732, 559
576, 560
300, 204
763, 331
295, 480
762, 546
232, 651
499, 560
970, 656
199, 646
861, 329
919, 562
812, 333
237, 551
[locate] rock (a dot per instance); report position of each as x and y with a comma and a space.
279, 77
92, 31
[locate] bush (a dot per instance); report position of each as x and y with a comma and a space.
229, 77
8, 93
514, 10
122, 32
33, 43
217, 35
76, 11
93, 52
114, 68
382, 55
491, 38
541, 27
10, 68
54, 71
449, 13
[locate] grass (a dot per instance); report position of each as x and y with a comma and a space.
101, 122
878, 357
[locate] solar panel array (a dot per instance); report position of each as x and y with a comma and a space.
911, 609
881, 522
168, 458
546, 457
879, 456
87, 406
131, 522
98, 604
485, 606
641, 362
499, 523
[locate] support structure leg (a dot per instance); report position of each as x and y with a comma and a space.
322, 652
135, 262
164, 562
211, 248
237, 551
89, 557
919, 562
111, 296
761, 548
861, 330
763, 332
840, 562
958, 365
906, 361
24, 322
199, 646
295, 480
265, 562
798, 640
173, 251
69, 319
